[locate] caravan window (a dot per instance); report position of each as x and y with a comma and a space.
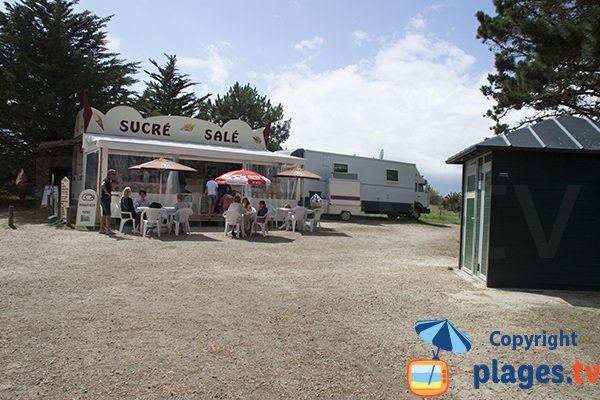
339, 167
391, 175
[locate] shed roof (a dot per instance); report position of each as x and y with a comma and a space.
563, 134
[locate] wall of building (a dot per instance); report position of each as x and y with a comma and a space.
545, 220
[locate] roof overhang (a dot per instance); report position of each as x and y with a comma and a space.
564, 134
206, 152
60, 143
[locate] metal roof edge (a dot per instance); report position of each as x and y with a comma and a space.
536, 137
591, 123
566, 132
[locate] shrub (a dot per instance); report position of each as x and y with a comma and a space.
452, 202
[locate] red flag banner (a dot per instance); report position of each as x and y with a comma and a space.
267, 133
87, 112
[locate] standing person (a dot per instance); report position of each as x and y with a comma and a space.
226, 200
211, 191
141, 201
105, 196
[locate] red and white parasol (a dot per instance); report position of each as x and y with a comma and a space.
243, 177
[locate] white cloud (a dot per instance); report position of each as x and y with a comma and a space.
417, 22
434, 7
418, 99
113, 42
310, 44
360, 37
211, 67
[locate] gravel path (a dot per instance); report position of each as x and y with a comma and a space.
290, 316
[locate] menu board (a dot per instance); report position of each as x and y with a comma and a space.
65, 197
86, 208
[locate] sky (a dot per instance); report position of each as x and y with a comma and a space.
355, 77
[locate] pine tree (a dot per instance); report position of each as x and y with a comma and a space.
244, 103
167, 93
50, 55
547, 58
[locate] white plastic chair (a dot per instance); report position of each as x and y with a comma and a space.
315, 221
233, 219
127, 216
152, 218
298, 217
181, 218
273, 214
264, 225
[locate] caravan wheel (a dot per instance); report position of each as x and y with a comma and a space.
345, 215
416, 214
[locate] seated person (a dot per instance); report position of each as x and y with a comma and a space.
127, 205
236, 206
298, 206
261, 214
180, 203
141, 201
299, 212
250, 214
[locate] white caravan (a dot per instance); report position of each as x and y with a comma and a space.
352, 184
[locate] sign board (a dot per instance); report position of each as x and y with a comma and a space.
86, 208
65, 197
127, 121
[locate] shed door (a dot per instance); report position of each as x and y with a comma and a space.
484, 215
470, 191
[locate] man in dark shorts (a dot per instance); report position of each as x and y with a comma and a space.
105, 195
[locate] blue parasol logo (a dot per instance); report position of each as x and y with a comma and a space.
429, 378
443, 335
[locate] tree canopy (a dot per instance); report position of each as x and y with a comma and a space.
547, 58
166, 94
244, 103
50, 55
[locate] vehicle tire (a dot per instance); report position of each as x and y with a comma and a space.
416, 214
392, 215
345, 215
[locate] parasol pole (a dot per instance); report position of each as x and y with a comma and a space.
294, 193
160, 174
435, 357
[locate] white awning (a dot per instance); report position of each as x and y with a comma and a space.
205, 152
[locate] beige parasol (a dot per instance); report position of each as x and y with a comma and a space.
163, 164
298, 173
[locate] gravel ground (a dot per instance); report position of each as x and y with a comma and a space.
291, 316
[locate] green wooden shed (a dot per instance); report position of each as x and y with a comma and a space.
531, 206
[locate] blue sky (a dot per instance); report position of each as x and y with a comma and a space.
354, 76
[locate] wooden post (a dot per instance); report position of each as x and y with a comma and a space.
68, 216
11, 216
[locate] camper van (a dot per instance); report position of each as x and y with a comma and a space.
353, 184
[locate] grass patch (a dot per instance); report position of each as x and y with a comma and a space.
441, 216
437, 216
